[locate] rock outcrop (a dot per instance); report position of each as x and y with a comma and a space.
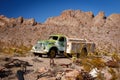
104, 31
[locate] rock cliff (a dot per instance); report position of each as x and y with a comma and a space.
104, 31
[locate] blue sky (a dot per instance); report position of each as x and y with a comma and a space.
42, 9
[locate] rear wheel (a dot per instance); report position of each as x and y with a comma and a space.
83, 52
52, 53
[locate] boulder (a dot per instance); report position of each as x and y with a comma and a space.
99, 20
72, 75
29, 22
20, 20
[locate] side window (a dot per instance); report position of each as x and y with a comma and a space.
61, 39
55, 37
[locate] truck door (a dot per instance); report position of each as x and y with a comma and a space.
62, 43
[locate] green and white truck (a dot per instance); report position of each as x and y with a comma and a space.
62, 45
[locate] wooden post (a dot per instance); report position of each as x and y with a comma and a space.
51, 62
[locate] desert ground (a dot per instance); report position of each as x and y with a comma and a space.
39, 68
34, 66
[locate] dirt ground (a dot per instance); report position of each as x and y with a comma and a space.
39, 68
32, 70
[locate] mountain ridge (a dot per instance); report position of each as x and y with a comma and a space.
104, 31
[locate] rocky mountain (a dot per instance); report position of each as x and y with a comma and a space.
104, 31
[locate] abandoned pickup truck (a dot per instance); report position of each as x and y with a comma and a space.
62, 45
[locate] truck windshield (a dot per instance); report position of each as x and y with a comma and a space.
53, 37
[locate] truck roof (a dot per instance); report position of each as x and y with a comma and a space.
76, 40
59, 35
69, 38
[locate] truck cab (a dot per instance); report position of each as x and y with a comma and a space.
55, 44
60, 41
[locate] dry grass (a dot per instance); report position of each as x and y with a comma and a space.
21, 50
115, 57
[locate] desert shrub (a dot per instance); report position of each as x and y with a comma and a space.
22, 50
115, 57
90, 63
113, 73
86, 63
101, 52
97, 62
100, 76
8, 50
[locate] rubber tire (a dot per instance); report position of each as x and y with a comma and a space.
83, 52
52, 53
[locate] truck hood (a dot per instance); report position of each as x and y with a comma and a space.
43, 45
47, 41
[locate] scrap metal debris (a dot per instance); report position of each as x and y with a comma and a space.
17, 63
20, 75
4, 72
65, 73
10, 64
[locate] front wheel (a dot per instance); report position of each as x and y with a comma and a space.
52, 53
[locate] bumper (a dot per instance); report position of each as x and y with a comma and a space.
40, 52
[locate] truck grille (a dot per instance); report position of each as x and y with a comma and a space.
39, 46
